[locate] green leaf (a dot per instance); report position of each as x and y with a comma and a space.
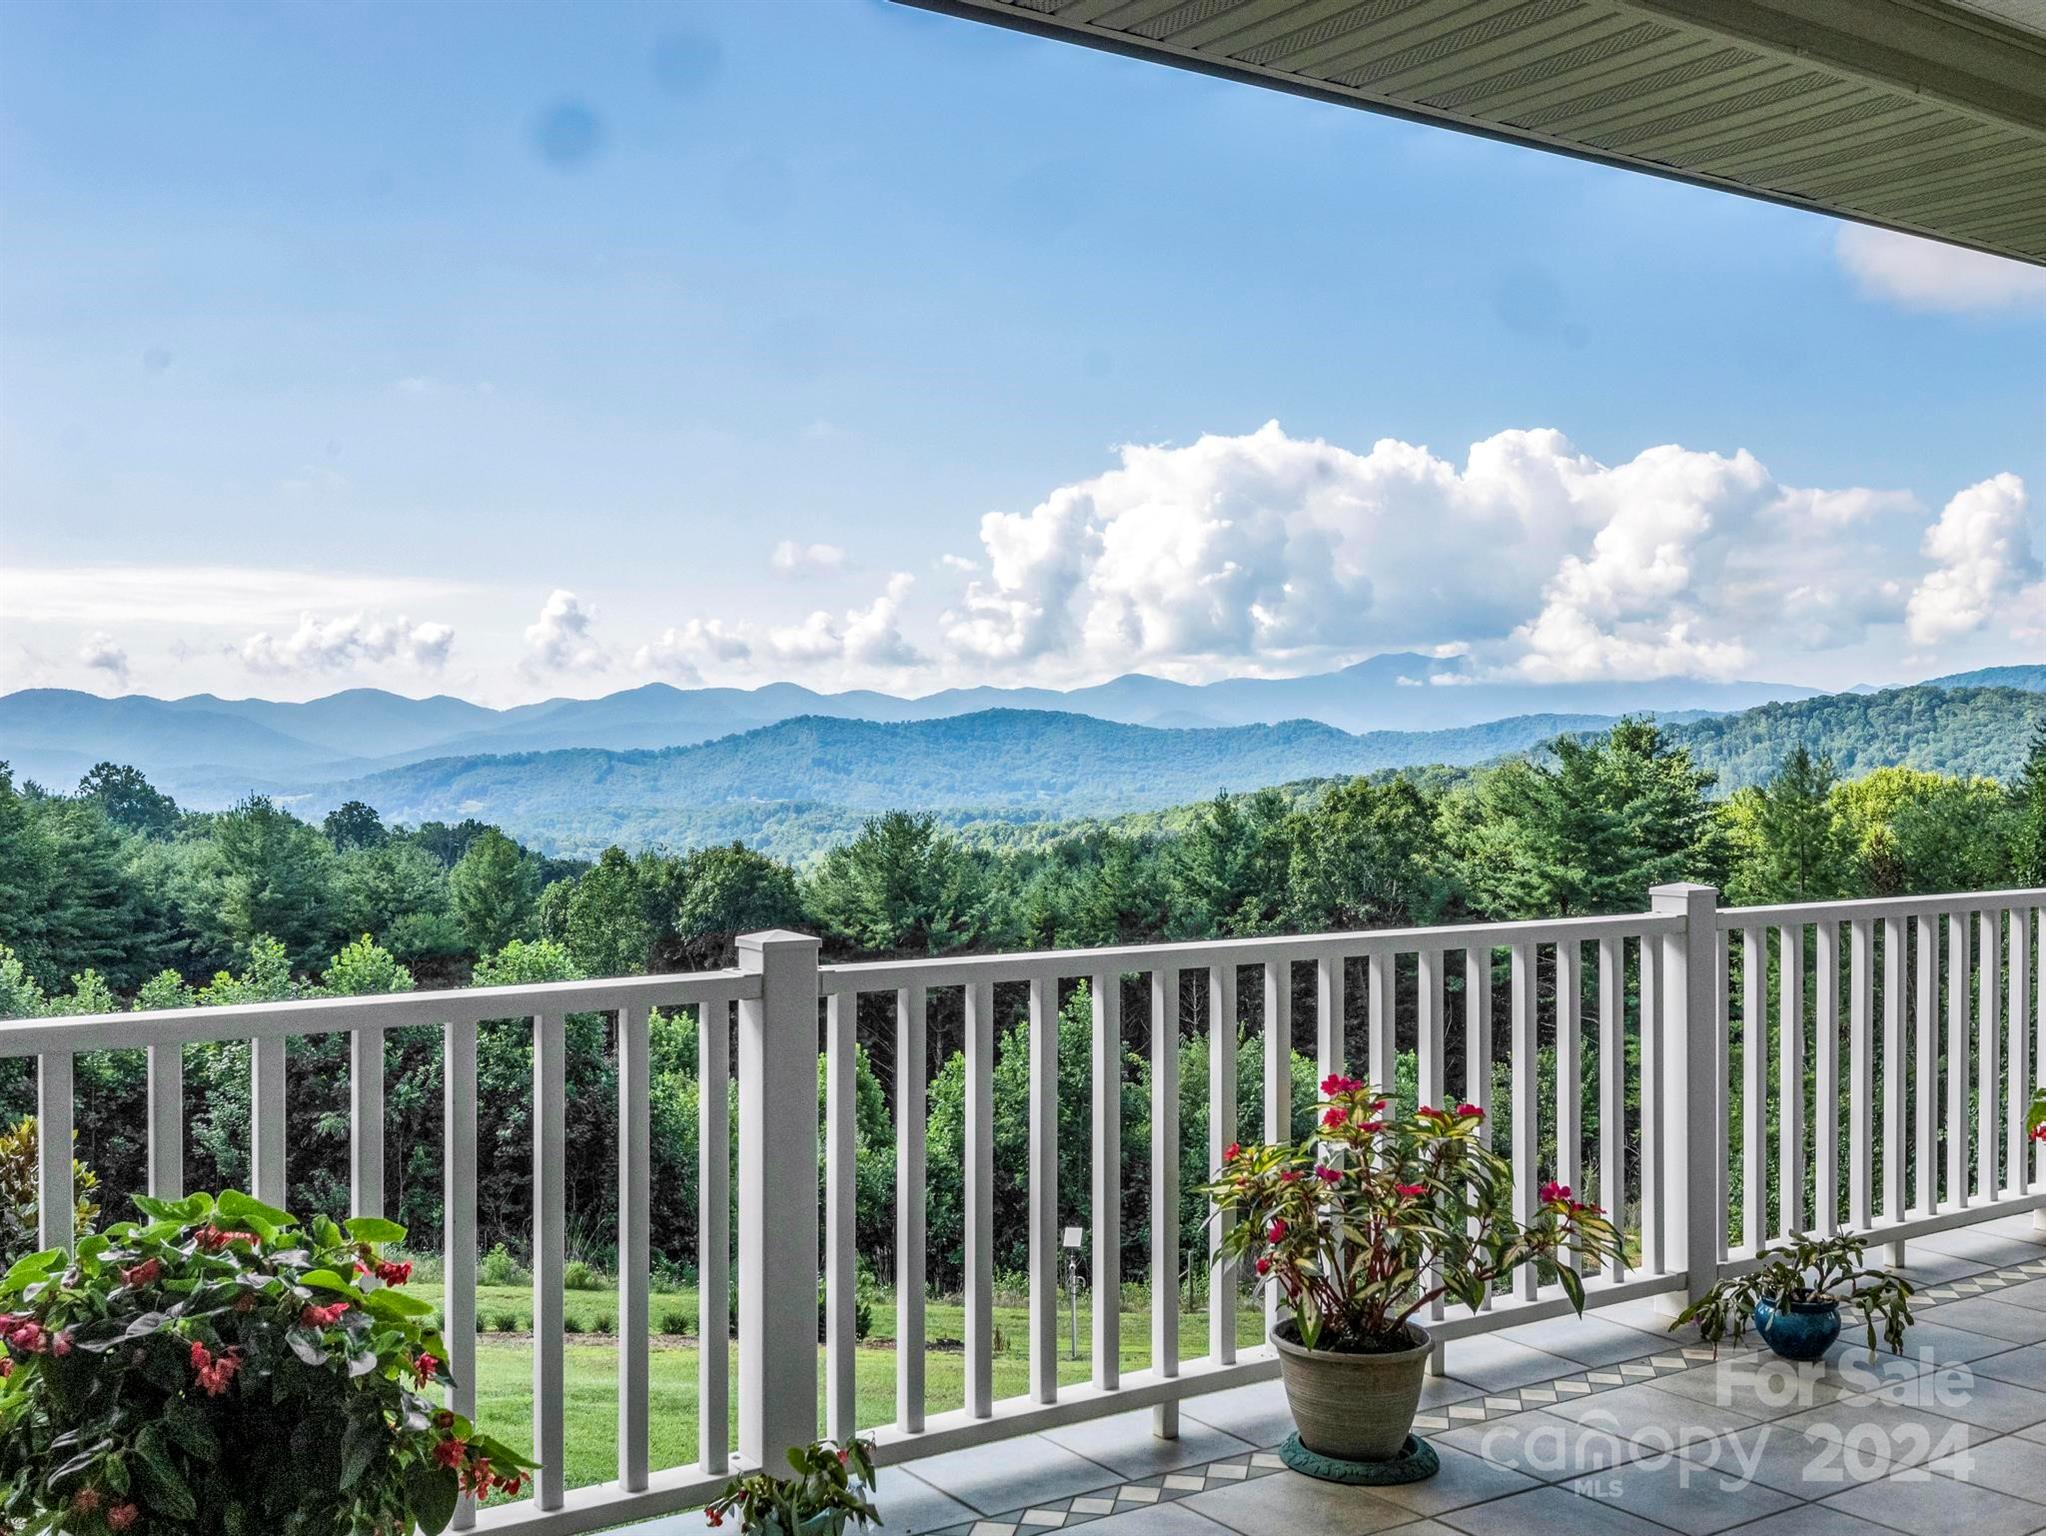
359, 1447
374, 1229
240, 1208
395, 1305
1573, 1286
30, 1268
163, 1487
328, 1280
430, 1495
186, 1424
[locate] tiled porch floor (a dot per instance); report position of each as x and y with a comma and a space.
1605, 1426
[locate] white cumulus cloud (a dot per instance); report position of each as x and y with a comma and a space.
561, 639
681, 650
333, 644
790, 558
1929, 274
1982, 563
865, 637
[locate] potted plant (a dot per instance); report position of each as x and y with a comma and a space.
1794, 1297
829, 1488
1361, 1229
220, 1370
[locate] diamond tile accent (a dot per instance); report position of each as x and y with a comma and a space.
993, 1528
1267, 1459
1185, 1482
1137, 1494
1093, 1504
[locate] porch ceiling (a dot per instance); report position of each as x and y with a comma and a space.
1917, 115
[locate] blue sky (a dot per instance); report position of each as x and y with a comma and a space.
497, 349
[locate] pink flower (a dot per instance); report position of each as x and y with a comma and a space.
121, 1516
1276, 1233
1290, 1176
86, 1501
1552, 1192
142, 1274
214, 1372
450, 1452
1335, 1116
1411, 1191
1232, 1152
1371, 1127
28, 1337
1264, 1266
60, 1343
322, 1317
1326, 1174
423, 1369
1336, 1083
1469, 1112
1429, 1112
392, 1273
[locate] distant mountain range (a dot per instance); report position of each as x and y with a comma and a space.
209, 749
805, 780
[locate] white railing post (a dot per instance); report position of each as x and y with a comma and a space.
778, 1209
56, 1185
1692, 1209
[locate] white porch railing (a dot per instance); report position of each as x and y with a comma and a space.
1659, 979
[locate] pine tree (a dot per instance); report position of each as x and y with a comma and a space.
1804, 855
2028, 797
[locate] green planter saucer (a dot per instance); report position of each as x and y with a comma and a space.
1417, 1461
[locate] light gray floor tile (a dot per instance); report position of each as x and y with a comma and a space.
1764, 1387
2014, 1465
1541, 1445
1255, 1413
1872, 1429
1548, 1512
1438, 1391
2031, 1293
1996, 1249
1684, 1495
1286, 1501
1423, 1528
1920, 1503
1123, 1442
1497, 1364
907, 1506
1646, 1413
1998, 1319
2025, 1366
1465, 1479
1802, 1462
1956, 1392
1814, 1520
1155, 1520
1943, 1342
1925, 1266
1026, 1470
1589, 1340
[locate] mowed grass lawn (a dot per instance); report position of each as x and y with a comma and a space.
504, 1370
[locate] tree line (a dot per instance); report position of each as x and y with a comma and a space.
112, 896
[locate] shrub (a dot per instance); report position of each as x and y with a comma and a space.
19, 1196
219, 1370
580, 1275
506, 1322
603, 1324
570, 1323
498, 1267
676, 1321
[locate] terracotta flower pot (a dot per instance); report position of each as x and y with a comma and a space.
1352, 1407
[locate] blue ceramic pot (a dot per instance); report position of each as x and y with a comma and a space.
1801, 1330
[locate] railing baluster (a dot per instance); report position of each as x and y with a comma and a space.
980, 1199
266, 1121
1165, 1187
366, 1121
1569, 1063
1379, 981
1429, 1065
2039, 1044
550, 1252
1925, 1170
1693, 974
1790, 1078
635, 1249
2020, 1055
1826, 1092
1894, 1147
912, 1093
1221, 1132
714, 1237
1526, 1140
1861, 1069
841, 1158
1754, 1092
1988, 1080
1648, 1012
1278, 1068
56, 1189
1044, 1192
1719, 1042
1105, 1271
1957, 1060
1328, 1016
167, 1121
458, 1222
1477, 1024
1612, 1091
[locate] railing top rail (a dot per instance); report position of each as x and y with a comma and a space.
1939, 905
390, 1010
940, 971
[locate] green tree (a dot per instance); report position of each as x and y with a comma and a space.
1365, 855
617, 912
491, 887
900, 887
399, 892
277, 877
726, 891
1797, 848
129, 800
2028, 815
1228, 872
354, 825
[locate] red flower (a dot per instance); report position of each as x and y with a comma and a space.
86, 1501
1335, 1116
392, 1273
2040, 1133
1553, 1192
1326, 1174
322, 1317
1371, 1127
1232, 1152
28, 1337
1336, 1083
450, 1452
6, 1367
142, 1274
445, 1419
1277, 1232
121, 1516
214, 1372
1410, 1191
713, 1518
1429, 1112
1469, 1112
423, 1369
1264, 1266
60, 1343
1290, 1176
